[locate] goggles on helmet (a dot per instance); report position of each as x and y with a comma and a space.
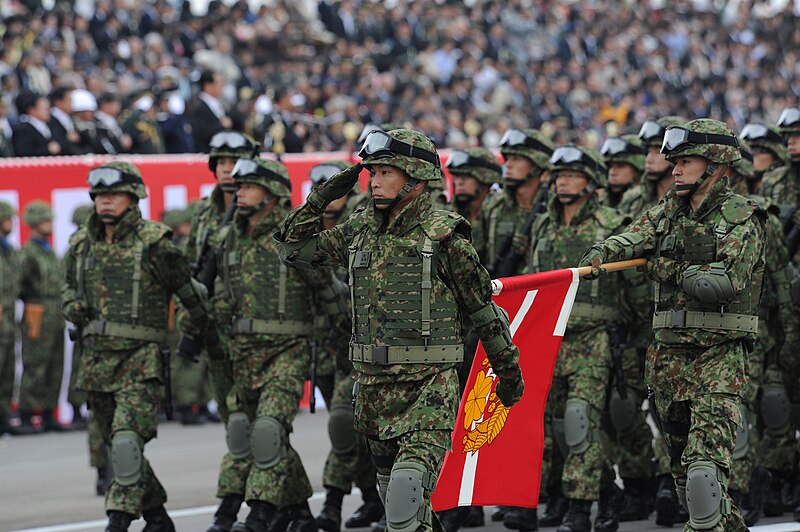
247, 167
790, 117
617, 146
368, 128
109, 177
566, 155
231, 140
322, 172
380, 144
677, 138
757, 132
514, 138
650, 130
460, 159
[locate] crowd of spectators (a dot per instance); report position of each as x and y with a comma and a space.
152, 77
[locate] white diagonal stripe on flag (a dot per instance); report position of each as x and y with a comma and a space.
566, 308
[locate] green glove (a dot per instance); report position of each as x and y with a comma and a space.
594, 257
510, 390
75, 312
339, 185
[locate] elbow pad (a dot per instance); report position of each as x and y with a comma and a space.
484, 317
625, 246
708, 283
297, 254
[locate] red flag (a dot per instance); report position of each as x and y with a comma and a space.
497, 451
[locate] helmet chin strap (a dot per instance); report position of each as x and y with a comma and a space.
113, 219
250, 210
572, 198
387, 204
692, 189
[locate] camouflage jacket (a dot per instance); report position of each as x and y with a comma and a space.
782, 187
9, 289
205, 224
41, 273
737, 227
501, 219
99, 287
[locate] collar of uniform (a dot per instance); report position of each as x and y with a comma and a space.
557, 211
218, 199
42, 243
266, 225
715, 196
415, 211
127, 225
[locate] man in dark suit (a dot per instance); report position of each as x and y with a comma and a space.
31, 135
61, 124
207, 116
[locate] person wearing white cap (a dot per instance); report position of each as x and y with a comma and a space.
84, 104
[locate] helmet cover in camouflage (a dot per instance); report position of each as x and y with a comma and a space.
765, 137
538, 153
711, 149
414, 167
484, 174
590, 162
632, 152
135, 187
653, 136
744, 166
175, 217
81, 214
789, 121
231, 144
270, 174
37, 212
6, 210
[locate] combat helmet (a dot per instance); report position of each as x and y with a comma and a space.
117, 176
231, 144
652, 131
323, 171
789, 122
529, 143
765, 137
705, 137
744, 166
37, 212
582, 159
479, 163
628, 149
270, 174
6, 210
81, 214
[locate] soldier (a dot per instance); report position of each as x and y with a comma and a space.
227, 147
41, 276
9, 291
705, 247
400, 250
624, 156
768, 151
348, 462
526, 153
121, 273
782, 185
268, 309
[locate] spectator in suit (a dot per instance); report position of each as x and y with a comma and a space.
61, 123
32, 136
208, 115
108, 128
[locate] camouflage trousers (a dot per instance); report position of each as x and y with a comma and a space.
286, 482
699, 425
350, 465
777, 449
745, 453
423, 447
43, 365
131, 408
220, 380
7, 363
98, 451
75, 397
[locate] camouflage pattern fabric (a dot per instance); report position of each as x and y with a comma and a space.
9, 291
503, 217
98, 451
41, 275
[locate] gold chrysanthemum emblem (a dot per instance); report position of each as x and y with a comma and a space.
485, 415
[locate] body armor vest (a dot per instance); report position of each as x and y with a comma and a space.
266, 296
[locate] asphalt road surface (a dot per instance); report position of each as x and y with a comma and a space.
46, 484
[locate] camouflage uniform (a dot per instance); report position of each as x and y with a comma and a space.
118, 294
583, 370
405, 404
41, 275
9, 291
703, 261
629, 150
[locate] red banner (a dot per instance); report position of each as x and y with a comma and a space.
497, 451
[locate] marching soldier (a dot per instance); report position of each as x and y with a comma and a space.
398, 251
624, 156
121, 271
768, 151
9, 291
705, 247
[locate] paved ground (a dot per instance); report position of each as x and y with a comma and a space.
46, 483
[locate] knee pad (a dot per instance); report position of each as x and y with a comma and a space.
624, 412
268, 441
237, 435
558, 435
406, 510
705, 495
341, 430
577, 426
775, 409
126, 457
383, 485
742, 435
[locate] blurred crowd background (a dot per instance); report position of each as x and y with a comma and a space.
116, 76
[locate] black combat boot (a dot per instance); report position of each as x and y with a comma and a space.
667, 504
26, 425
79, 422
380, 525
773, 499
453, 519
330, 517
578, 517
518, 518
499, 514
369, 512
753, 502
226, 514
260, 517
157, 520
556, 509
475, 517
6, 427
119, 521
637, 500
51, 424
302, 520
611, 501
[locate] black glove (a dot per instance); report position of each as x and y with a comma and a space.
510, 391
340, 184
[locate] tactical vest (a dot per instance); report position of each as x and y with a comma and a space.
266, 297
124, 297
402, 312
50, 272
696, 243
